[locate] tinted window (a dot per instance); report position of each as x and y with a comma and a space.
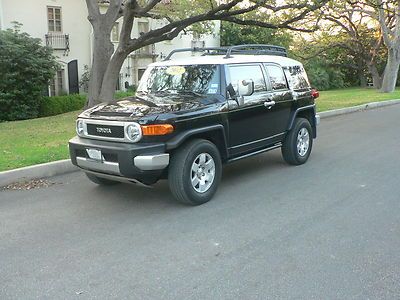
200, 79
277, 78
239, 73
298, 78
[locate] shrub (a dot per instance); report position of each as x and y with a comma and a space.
121, 94
50, 106
26, 69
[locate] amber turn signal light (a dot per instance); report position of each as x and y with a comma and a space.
159, 129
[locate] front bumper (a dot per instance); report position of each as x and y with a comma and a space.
145, 163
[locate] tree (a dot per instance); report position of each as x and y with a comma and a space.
26, 69
359, 37
180, 14
387, 14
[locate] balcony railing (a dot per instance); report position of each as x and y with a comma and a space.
57, 41
149, 50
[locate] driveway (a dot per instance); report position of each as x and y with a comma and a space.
327, 230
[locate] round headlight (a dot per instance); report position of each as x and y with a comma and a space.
79, 127
134, 132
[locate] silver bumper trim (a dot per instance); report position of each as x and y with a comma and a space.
317, 119
152, 162
105, 166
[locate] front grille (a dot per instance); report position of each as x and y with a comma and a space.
106, 130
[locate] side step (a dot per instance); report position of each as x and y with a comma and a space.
278, 145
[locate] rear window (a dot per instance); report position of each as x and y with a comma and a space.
297, 77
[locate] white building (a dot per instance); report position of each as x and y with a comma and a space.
63, 25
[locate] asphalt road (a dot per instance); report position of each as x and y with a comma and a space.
327, 230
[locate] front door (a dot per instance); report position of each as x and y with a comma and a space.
251, 124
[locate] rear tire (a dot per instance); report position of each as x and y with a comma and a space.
100, 181
195, 172
298, 143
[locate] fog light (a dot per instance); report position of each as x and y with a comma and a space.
79, 127
133, 132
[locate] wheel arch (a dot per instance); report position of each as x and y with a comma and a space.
214, 134
306, 112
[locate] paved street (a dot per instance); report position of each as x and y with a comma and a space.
327, 230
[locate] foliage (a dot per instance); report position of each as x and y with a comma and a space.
26, 68
85, 77
173, 18
50, 106
235, 34
332, 61
122, 94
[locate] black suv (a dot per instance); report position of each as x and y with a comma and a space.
192, 115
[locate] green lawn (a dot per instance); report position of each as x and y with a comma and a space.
25, 143
351, 97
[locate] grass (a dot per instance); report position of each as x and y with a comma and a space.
351, 97
25, 143
30, 142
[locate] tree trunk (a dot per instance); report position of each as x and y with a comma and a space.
111, 75
391, 71
376, 77
362, 79
102, 52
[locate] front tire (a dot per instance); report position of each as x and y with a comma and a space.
100, 181
298, 143
195, 172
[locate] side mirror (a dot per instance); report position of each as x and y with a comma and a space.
245, 87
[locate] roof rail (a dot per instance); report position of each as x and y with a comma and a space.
256, 49
209, 50
251, 49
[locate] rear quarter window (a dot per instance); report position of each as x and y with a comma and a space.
297, 77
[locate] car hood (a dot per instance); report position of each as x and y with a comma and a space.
146, 106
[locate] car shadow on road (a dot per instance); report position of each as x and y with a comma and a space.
158, 195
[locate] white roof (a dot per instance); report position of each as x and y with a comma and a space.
220, 60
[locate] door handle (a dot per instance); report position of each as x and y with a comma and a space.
269, 104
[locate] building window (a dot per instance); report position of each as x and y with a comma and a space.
57, 84
143, 27
115, 33
140, 74
54, 19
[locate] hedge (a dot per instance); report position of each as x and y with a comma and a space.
51, 106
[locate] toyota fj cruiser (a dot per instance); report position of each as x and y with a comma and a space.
192, 115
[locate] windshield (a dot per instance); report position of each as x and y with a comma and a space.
193, 79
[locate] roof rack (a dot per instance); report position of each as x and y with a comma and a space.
251, 49
207, 50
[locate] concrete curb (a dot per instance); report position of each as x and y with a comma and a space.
353, 109
65, 166
37, 171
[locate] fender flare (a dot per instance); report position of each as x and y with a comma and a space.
179, 139
294, 115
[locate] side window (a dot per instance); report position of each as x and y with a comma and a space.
277, 78
245, 72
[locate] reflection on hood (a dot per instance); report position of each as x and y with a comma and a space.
151, 104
